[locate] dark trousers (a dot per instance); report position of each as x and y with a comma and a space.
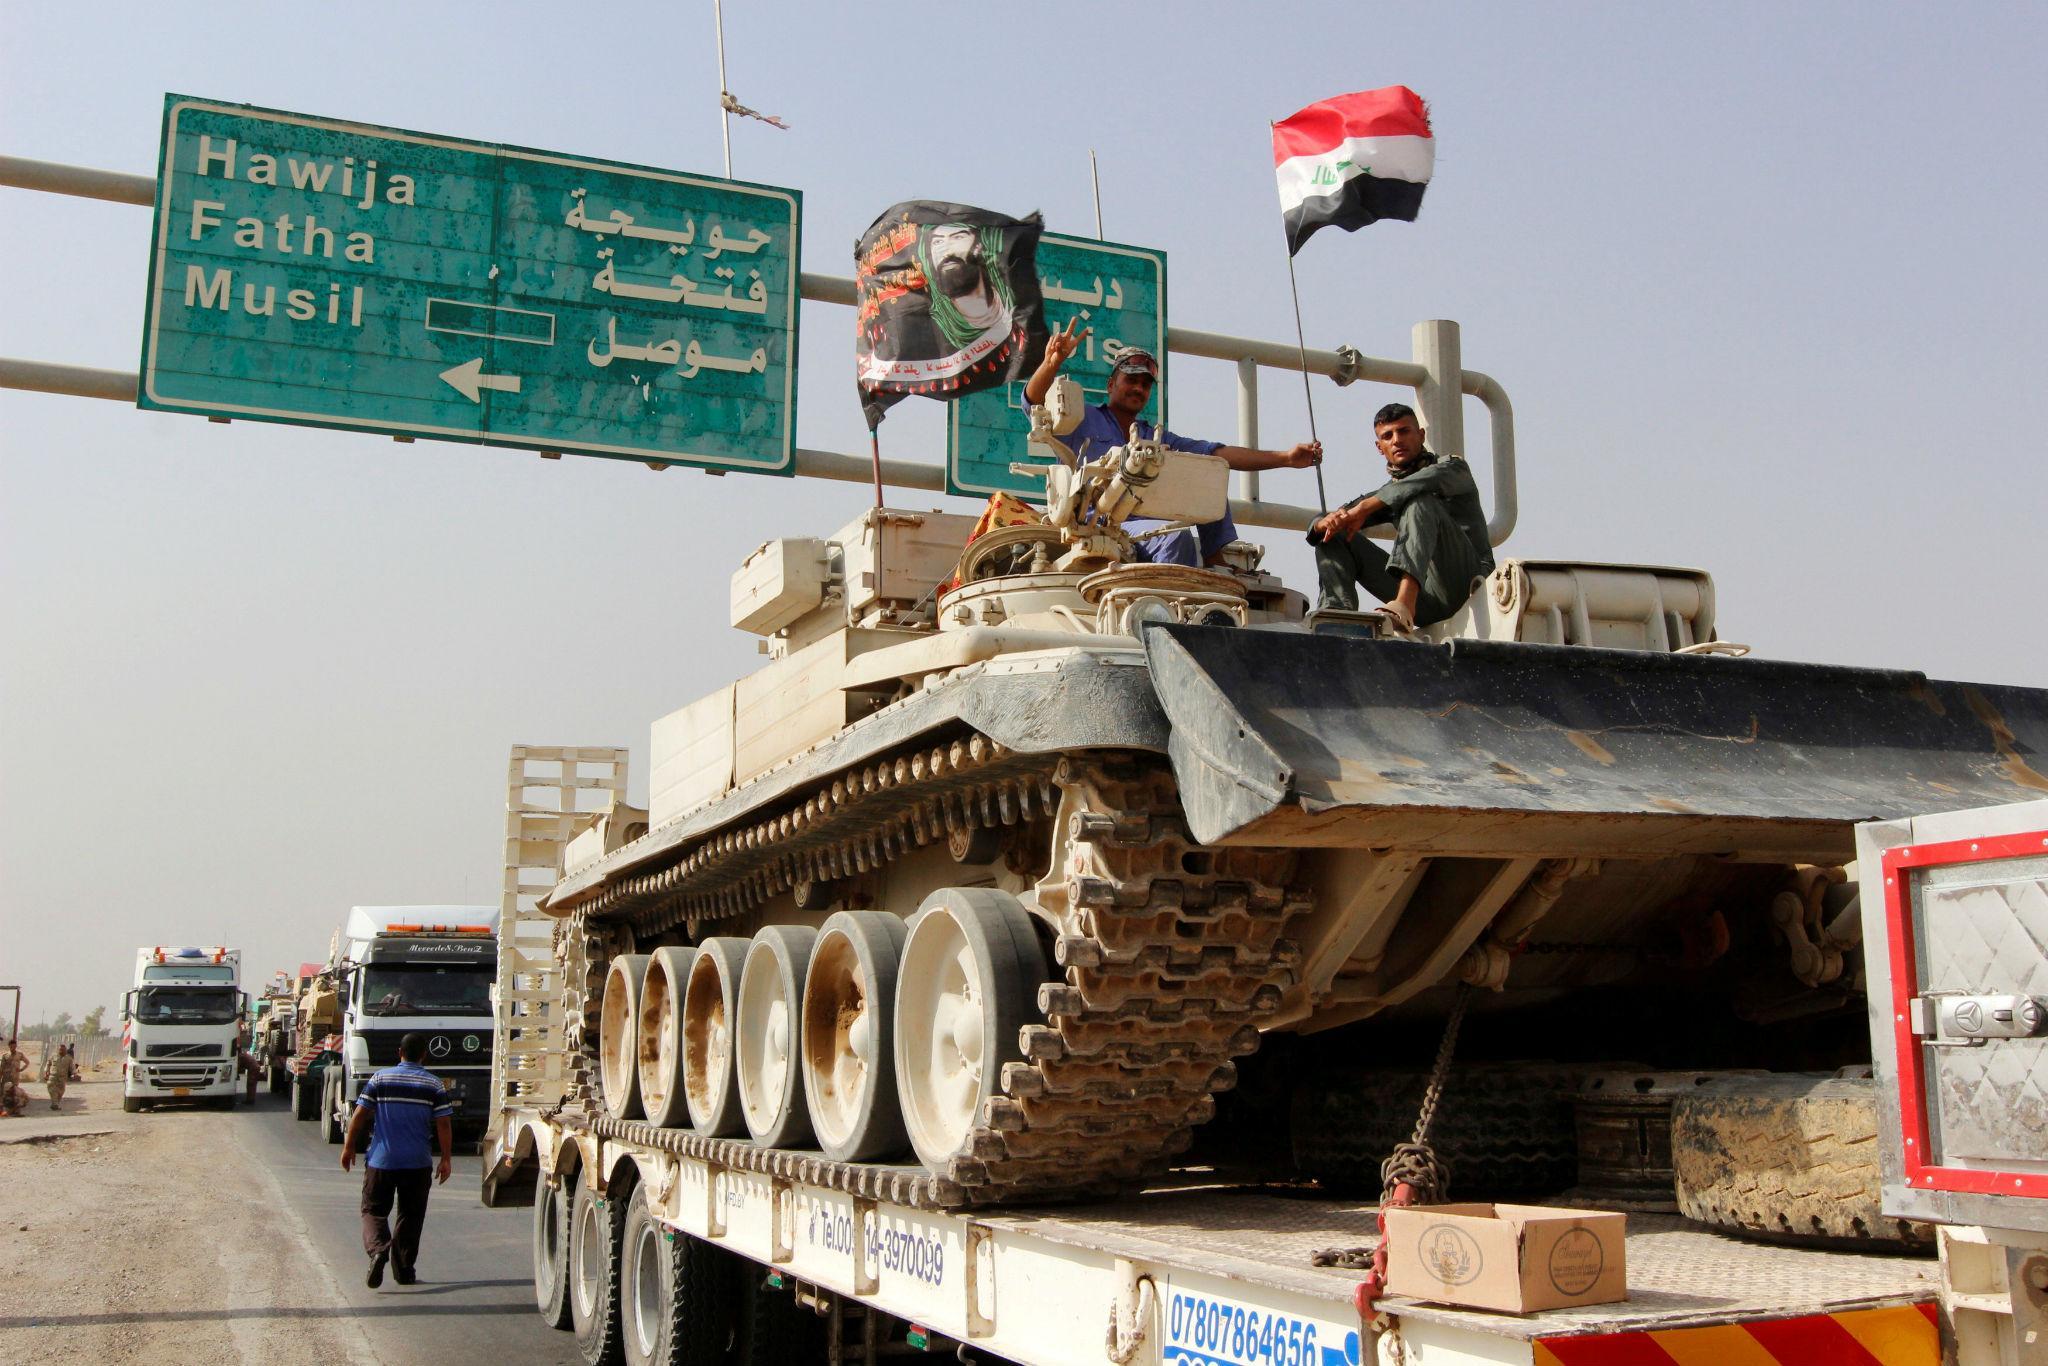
402, 1239
1429, 547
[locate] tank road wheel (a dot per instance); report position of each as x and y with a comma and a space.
551, 1206
1786, 1159
676, 1302
594, 1233
660, 1049
768, 1051
971, 970
618, 1053
711, 1084
849, 1018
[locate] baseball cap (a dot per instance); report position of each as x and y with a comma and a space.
1136, 361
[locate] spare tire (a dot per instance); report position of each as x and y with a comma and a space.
1787, 1158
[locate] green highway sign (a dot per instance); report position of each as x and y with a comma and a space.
1119, 292
336, 274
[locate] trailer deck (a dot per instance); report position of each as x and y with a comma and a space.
1190, 1274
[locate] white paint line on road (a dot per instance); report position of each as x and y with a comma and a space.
360, 1351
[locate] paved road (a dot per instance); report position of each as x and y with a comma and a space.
473, 1301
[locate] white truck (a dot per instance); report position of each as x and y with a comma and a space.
415, 970
183, 1018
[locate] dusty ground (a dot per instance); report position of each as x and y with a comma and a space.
102, 1261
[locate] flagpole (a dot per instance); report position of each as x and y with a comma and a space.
1301, 349
724, 93
875, 448
1096, 177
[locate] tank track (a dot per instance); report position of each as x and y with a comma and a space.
1168, 951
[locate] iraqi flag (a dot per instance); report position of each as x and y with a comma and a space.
1353, 160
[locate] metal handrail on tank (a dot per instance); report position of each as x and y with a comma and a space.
1436, 348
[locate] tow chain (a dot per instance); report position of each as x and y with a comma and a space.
1412, 1175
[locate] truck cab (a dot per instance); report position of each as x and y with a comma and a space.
183, 1017
416, 969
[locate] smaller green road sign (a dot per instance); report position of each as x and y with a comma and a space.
335, 274
1120, 293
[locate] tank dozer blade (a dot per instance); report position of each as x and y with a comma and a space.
1506, 749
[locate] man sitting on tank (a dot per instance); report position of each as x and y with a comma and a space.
1440, 550
1111, 423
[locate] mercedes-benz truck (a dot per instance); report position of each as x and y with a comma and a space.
416, 969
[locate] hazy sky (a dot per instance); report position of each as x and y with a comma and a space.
1764, 282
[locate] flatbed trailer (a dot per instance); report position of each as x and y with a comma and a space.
1193, 1271
1188, 1274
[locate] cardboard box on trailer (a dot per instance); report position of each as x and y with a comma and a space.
1517, 1258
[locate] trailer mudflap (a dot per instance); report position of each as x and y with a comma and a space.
1507, 748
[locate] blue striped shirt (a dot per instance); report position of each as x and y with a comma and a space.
405, 1100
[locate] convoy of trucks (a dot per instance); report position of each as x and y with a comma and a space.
273, 1032
183, 1021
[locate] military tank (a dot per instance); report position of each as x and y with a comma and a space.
1018, 845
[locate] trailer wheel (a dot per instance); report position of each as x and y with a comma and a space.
971, 970
774, 1330
305, 1104
594, 1229
551, 1206
280, 1080
675, 1294
330, 1108
1790, 1158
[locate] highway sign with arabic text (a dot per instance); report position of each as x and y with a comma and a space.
337, 274
1119, 292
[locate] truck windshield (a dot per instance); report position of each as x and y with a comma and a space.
427, 989
185, 1005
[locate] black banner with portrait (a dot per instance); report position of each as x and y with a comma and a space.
948, 302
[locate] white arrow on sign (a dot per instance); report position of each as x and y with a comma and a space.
470, 380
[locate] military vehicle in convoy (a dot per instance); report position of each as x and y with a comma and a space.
998, 873
1016, 846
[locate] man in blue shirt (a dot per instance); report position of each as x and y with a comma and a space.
404, 1102
1108, 424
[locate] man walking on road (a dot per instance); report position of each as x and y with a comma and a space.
398, 1106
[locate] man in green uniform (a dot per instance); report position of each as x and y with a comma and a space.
59, 1072
1440, 549
13, 1071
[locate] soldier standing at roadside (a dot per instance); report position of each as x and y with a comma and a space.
13, 1067
59, 1072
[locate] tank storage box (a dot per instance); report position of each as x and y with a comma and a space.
1517, 1258
780, 582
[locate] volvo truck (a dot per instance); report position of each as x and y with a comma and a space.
183, 1018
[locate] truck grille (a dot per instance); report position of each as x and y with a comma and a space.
445, 1047
185, 1050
